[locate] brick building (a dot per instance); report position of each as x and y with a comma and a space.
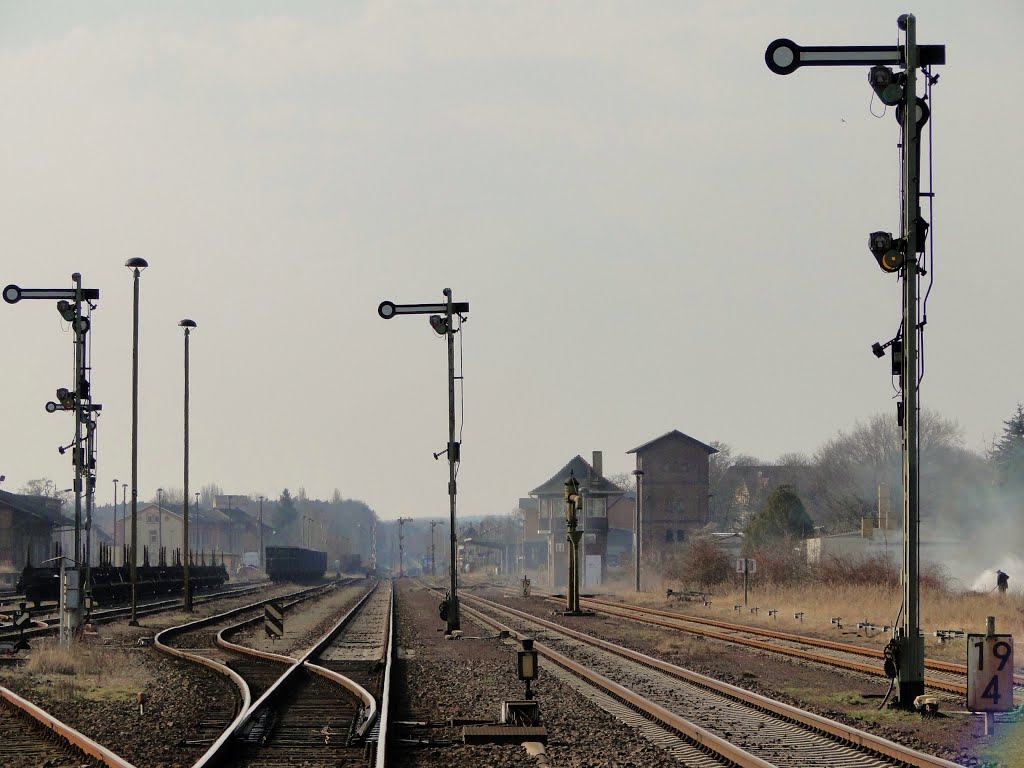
675, 488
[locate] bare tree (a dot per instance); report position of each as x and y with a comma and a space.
208, 493
624, 480
848, 468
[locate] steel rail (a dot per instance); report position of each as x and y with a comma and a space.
626, 611
219, 748
385, 698
704, 738
359, 691
870, 669
845, 733
243, 687
72, 736
45, 626
936, 664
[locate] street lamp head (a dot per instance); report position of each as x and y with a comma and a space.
186, 323
137, 263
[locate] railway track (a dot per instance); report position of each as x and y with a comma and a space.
698, 719
30, 737
320, 712
941, 676
46, 624
319, 708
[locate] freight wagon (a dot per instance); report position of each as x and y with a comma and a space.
114, 583
295, 564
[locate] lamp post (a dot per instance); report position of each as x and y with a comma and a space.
187, 325
638, 520
136, 265
231, 525
433, 524
261, 533
115, 522
124, 523
160, 526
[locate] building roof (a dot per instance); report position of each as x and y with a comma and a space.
598, 484
41, 508
674, 433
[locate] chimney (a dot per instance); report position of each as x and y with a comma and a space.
598, 463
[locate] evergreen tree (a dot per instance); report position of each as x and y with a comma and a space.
286, 512
1008, 453
782, 517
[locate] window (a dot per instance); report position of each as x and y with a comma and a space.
680, 535
597, 506
675, 506
544, 523
152, 537
668, 535
560, 546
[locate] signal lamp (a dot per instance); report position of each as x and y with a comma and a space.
66, 309
886, 84
878, 349
923, 113
439, 324
897, 357
526, 664
887, 252
66, 398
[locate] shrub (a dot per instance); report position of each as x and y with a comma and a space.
874, 570
701, 564
779, 564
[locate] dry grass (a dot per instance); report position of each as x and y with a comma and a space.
877, 604
84, 671
54, 660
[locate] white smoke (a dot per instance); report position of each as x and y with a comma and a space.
1011, 565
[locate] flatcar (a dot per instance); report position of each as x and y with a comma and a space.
110, 583
295, 564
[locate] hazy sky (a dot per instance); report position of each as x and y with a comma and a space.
652, 229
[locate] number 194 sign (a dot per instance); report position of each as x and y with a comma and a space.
990, 673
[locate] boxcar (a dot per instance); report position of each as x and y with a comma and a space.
295, 564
